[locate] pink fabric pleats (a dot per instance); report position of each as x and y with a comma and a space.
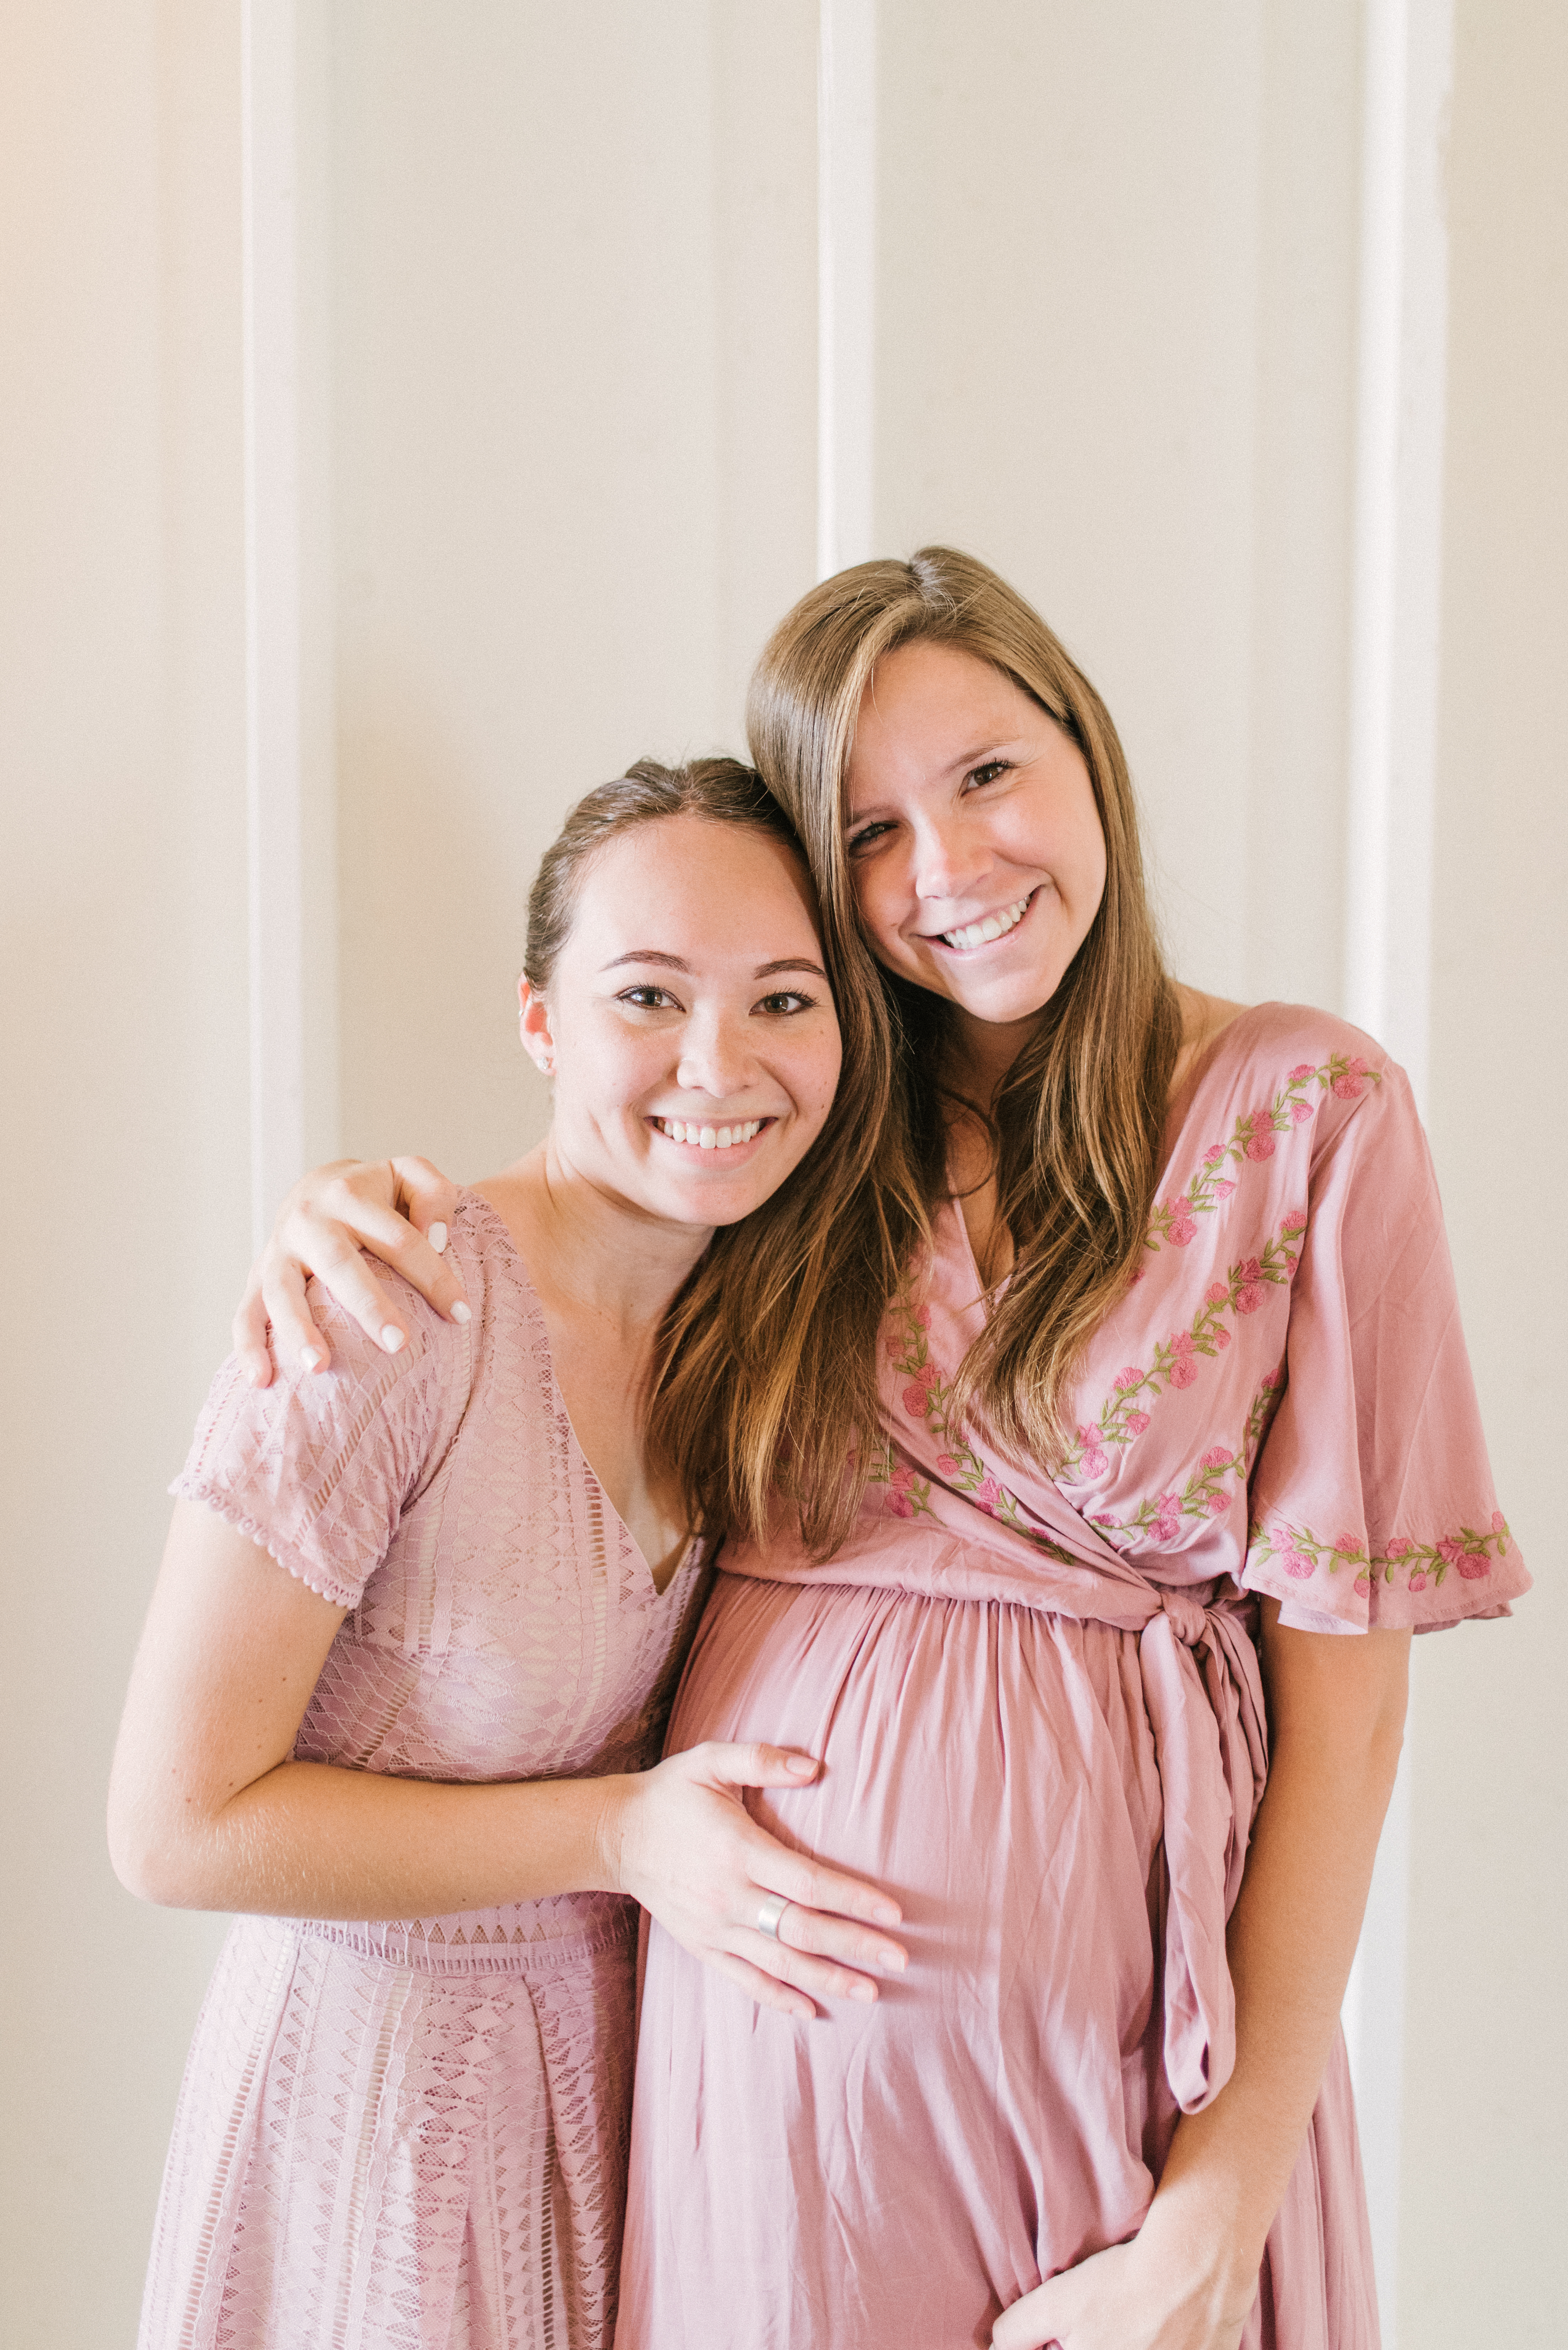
371, 2155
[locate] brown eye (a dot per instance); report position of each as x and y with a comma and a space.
786, 1003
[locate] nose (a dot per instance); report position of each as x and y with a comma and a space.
717, 1057
948, 860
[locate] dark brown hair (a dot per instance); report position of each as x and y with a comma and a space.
1077, 1122
760, 1379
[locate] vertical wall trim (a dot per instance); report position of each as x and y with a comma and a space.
273, 713
1396, 606
1397, 563
845, 281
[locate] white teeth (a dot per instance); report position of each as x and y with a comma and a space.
995, 926
709, 1137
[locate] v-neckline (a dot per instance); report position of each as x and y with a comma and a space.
534, 1307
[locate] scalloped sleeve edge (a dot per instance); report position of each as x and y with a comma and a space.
288, 1555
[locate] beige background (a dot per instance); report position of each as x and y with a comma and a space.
561, 374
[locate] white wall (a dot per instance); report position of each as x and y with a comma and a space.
1486, 2176
560, 424
573, 413
122, 738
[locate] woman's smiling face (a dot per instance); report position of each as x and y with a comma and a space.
688, 1021
975, 845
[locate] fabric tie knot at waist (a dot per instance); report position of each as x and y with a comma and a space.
1189, 1616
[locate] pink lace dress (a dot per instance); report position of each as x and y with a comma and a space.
412, 2131
1039, 1703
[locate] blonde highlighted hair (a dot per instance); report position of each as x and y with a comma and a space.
1077, 1125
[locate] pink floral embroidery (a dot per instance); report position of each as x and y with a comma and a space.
1095, 1460
925, 1398
1301, 1553
1205, 1493
1252, 1141
1176, 1361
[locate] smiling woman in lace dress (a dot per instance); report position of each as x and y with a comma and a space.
407, 1665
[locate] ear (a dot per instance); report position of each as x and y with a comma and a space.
534, 1027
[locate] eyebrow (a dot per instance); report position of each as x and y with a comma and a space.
674, 963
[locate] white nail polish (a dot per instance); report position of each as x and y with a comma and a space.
437, 1237
311, 1357
460, 1312
391, 1338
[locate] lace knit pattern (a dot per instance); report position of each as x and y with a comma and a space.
401, 2133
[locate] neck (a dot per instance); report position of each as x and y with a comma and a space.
591, 1249
983, 1051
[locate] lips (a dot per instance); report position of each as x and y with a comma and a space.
971, 935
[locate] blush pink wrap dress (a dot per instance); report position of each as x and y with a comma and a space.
1039, 1704
411, 2132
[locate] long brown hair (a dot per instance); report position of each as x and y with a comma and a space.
1076, 1124
764, 1363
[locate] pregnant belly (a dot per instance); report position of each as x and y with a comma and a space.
998, 2111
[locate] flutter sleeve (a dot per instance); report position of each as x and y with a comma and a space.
1372, 1502
319, 1468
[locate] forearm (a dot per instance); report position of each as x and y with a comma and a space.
1291, 1942
312, 1840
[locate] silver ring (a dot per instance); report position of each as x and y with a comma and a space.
770, 1913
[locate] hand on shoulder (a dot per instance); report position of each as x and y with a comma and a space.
397, 1208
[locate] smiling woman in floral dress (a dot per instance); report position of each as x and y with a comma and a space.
1170, 1444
